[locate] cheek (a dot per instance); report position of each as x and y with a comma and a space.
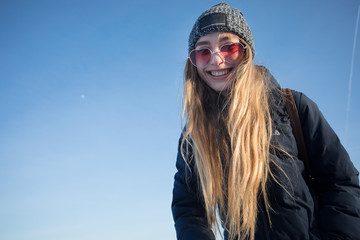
201, 73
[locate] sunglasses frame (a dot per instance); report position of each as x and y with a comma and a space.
217, 52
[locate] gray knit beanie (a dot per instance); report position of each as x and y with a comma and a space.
221, 18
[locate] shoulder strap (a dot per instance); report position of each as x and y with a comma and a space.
288, 99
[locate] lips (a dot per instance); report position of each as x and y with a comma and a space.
219, 73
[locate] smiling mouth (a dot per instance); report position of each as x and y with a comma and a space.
219, 73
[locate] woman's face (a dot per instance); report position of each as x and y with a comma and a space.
217, 71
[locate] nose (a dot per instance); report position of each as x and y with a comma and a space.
216, 58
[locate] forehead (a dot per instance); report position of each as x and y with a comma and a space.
217, 37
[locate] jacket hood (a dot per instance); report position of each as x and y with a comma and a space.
272, 82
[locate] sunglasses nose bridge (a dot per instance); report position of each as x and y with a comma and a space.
215, 56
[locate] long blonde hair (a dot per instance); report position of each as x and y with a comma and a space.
230, 134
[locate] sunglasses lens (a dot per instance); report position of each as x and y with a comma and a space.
232, 52
200, 58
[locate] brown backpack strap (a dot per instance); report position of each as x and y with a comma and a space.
288, 99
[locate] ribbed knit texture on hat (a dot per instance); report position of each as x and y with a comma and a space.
235, 23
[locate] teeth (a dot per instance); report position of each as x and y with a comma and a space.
219, 73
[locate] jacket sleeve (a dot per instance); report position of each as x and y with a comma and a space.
336, 179
187, 204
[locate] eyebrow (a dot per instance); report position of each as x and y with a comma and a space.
222, 39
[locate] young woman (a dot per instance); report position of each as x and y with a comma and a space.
237, 158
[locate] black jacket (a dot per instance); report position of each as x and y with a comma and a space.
336, 213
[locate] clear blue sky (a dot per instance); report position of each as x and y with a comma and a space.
90, 104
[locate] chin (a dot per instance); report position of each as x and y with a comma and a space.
219, 88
